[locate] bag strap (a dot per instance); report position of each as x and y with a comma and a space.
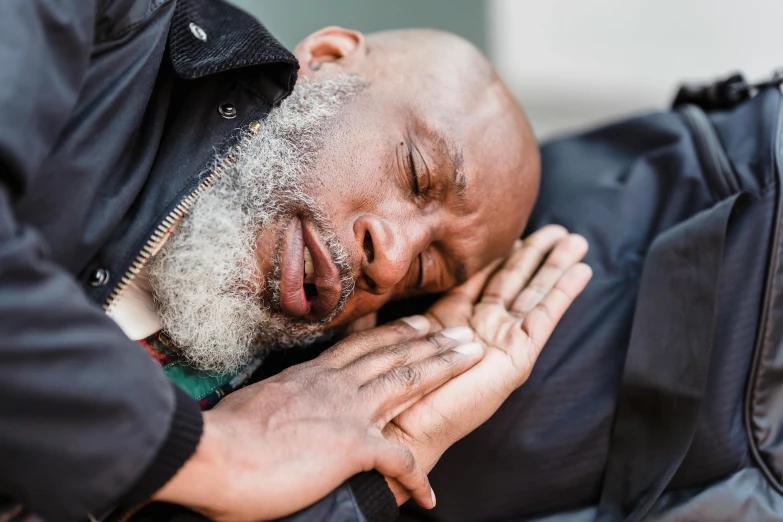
667, 365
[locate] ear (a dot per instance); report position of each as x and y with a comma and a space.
331, 51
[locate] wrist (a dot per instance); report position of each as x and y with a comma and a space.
194, 483
178, 446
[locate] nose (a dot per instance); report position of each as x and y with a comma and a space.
388, 251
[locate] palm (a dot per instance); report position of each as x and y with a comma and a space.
512, 312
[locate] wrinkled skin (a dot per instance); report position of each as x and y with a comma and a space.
432, 105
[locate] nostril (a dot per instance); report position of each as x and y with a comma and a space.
368, 248
371, 284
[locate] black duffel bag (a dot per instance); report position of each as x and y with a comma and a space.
660, 395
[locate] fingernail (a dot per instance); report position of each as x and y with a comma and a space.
458, 333
469, 349
432, 493
419, 322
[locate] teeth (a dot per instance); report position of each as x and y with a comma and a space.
309, 268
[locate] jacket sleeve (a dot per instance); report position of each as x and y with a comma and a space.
85, 415
364, 498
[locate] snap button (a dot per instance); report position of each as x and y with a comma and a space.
198, 32
228, 111
99, 277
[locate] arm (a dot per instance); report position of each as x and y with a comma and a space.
373, 503
75, 433
284, 443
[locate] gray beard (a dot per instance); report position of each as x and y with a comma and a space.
206, 281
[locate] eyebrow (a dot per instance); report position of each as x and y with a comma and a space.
459, 181
459, 184
456, 163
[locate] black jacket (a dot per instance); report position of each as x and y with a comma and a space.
111, 113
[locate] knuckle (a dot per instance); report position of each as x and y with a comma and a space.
438, 341
546, 312
445, 360
562, 294
403, 377
397, 356
536, 290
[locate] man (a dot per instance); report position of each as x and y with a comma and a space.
399, 165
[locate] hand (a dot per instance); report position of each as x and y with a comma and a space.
512, 316
278, 446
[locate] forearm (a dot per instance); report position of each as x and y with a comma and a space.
84, 410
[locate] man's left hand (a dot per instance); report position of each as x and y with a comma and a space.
512, 313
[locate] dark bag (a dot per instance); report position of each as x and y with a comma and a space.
660, 395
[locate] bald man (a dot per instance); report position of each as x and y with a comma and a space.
179, 195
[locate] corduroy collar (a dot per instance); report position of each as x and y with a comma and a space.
234, 40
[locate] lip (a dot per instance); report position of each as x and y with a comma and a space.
293, 299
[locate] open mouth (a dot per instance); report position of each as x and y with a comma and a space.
310, 280
309, 275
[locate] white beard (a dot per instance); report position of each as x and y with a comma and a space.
206, 280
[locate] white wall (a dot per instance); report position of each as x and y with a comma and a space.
574, 63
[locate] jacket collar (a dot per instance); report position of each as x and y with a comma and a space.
211, 36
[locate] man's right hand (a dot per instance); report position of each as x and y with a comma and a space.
321, 420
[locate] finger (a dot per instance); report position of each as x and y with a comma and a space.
542, 319
456, 307
394, 391
397, 462
567, 253
506, 284
358, 344
386, 359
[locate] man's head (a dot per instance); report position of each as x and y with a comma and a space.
400, 165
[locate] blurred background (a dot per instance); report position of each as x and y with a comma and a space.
572, 63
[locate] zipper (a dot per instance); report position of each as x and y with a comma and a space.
182, 208
150, 247
716, 165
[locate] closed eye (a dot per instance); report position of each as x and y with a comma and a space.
420, 276
414, 176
